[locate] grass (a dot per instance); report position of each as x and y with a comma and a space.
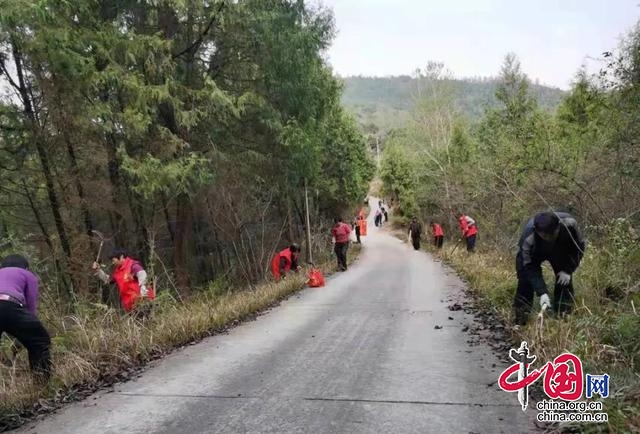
98, 346
605, 334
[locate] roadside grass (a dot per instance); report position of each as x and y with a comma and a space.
604, 333
99, 346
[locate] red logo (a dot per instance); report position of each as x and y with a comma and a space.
563, 377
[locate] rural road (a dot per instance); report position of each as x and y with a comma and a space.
360, 355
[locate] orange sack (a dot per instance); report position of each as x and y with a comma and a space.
316, 278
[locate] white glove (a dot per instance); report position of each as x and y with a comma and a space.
563, 278
545, 301
144, 291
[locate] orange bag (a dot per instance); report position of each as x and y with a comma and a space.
363, 227
316, 278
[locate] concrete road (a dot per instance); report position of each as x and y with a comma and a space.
360, 355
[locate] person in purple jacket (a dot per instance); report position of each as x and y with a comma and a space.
18, 307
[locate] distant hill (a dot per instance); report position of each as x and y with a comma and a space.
387, 101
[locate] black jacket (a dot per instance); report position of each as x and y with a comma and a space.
564, 254
416, 229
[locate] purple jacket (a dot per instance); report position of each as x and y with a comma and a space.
21, 285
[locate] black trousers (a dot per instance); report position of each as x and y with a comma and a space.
416, 242
561, 303
471, 243
437, 241
18, 322
357, 228
341, 254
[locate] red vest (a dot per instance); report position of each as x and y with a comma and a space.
275, 262
128, 285
341, 232
467, 229
437, 230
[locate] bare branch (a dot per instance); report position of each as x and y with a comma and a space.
196, 44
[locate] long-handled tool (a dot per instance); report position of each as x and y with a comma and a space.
101, 237
456, 246
540, 320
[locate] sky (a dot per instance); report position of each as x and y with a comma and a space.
552, 39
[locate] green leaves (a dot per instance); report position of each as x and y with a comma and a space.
302, 151
513, 91
347, 165
184, 175
399, 173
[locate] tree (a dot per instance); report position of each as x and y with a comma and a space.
398, 173
513, 92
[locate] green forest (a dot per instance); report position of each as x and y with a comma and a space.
387, 102
175, 131
521, 157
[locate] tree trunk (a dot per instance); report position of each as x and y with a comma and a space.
47, 238
42, 154
165, 208
36, 214
142, 235
290, 222
114, 177
181, 241
88, 224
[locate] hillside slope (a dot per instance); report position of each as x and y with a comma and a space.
387, 101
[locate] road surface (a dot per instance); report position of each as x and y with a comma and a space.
360, 355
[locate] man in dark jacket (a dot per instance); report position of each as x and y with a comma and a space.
553, 237
18, 313
378, 218
415, 231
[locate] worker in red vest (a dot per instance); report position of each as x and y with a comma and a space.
285, 260
438, 234
469, 231
130, 278
340, 233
